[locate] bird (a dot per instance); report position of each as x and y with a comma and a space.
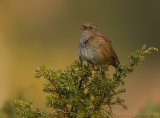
95, 47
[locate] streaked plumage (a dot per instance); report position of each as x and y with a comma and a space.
95, 47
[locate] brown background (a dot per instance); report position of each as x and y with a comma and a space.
36, 32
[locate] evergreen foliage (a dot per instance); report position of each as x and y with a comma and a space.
81, 90
151, 110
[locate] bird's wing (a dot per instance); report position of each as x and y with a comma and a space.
103, 36
106, 49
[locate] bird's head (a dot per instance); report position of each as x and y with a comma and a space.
89, 27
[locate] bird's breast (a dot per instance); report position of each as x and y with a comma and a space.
91, 52
87, 53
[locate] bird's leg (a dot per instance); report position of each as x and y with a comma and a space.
89, 64
81, 61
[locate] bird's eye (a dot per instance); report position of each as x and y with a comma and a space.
84, 27
90, 27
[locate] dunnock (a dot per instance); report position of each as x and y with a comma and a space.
96, 48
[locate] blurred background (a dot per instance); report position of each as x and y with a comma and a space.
36, 32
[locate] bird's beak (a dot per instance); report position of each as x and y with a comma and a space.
82, 27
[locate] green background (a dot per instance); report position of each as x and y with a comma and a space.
36, 32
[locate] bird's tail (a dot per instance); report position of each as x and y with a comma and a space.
115, 62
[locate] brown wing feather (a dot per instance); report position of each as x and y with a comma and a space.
107, 50
103, 36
